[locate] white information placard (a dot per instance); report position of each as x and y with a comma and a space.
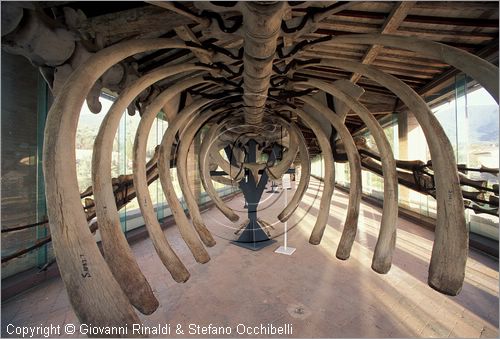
286, 181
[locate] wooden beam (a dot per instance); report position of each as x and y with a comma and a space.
325, 31
407, 74
324, 55
448, 36
409, 67
362, 14
392, 23
387, 56
459, 5
438, 18
348, 26
482, 23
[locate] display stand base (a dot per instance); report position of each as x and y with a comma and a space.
285, 250
254, 246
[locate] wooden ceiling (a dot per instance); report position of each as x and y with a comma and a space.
471, 26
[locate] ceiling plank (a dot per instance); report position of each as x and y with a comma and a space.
464, 22
447, 36
392, 23
426, 19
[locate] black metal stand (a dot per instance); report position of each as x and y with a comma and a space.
252, 237
273, 186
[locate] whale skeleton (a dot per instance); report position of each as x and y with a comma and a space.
112, 286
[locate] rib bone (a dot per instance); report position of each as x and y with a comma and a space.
305, 166
355, 190
206, 149
187, 232
167, 256
73, 244
185, 143
117, 252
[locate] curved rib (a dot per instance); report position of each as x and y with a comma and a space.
73, 243
234, 172
183, 148
117, 252
382, 256
277, 171
305, 166
449, 253
224, 181
168, 257
205, 150
187, 232
355, 189
329, 179
179, 273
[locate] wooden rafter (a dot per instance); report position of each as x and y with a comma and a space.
483, 23
392, 23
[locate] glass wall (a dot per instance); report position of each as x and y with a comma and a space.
24, 97
317, 166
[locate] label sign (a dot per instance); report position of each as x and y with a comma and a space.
286, 182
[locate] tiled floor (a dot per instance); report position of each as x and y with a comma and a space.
319, 295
